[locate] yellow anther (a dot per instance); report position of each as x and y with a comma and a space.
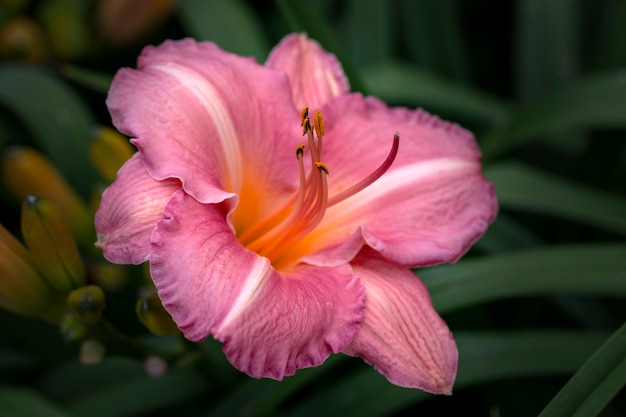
306, 122
322, 167
299, 151
318, 122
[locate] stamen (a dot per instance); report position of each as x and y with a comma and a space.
299, 214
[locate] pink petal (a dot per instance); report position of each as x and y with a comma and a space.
129, 211
271, 323
315, 75
214, 120
431, 205
401, 335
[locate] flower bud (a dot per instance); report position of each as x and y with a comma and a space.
121, 23
27, 171
22, 288
110, 277
72, 329
51, 244
109, 151
87, 303
21, 39
152, 314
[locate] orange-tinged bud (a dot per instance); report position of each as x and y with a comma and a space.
21, 39
109, 151
121, 23
51, 244
87, 303
152, 314
27, 171
22, 289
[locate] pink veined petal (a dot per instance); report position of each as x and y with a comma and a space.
401, 335
315, 75
129, 210
270, 323
212, 119
429, 207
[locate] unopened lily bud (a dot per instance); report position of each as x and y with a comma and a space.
21, 39
121, 23
27, 171
109, 151
87, 303
72, 329
22, 288
152, 314
51, 244
91, 352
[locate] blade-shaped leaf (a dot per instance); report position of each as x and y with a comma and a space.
576, 269
595, 383
521, 187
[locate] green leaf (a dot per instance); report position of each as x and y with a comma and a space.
229, 23
408, 85
94, 80
586, 269
595, 383
368, 30
505, 234
24, 402
521, 187
483, 357
139, 395
547, 45
57, 118
591, 103
433, 36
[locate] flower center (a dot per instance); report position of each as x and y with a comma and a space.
300, 214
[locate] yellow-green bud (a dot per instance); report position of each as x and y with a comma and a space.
109, 151
27, 171
152, 314
51, 244
22, 288
87, 303
72, 329
67, 27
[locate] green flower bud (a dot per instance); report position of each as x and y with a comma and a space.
152, 314
22, 288
87, 303
51, 244
72, 329
109, 151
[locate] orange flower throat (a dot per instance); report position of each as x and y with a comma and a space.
300, 214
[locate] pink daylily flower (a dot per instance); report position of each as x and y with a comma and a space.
287, 254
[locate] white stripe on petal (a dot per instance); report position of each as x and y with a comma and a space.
210, 99
251, 289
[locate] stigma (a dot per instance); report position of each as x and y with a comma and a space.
304, 210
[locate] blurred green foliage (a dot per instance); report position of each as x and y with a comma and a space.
541, 83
